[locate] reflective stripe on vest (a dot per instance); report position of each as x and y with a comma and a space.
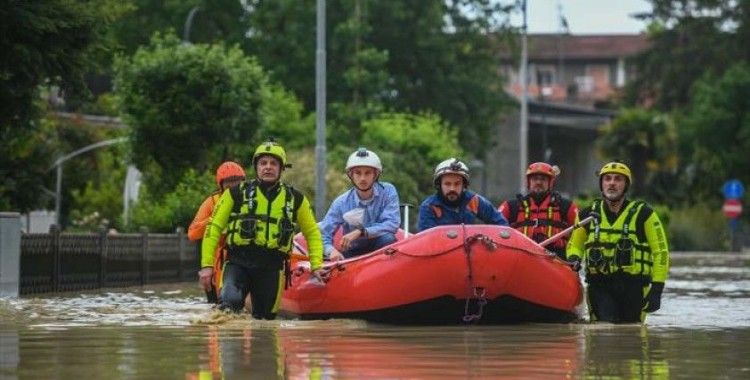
548, 215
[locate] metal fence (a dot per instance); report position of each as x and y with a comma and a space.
60, 262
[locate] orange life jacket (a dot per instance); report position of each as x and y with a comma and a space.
540, 221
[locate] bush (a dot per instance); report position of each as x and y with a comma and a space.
175, 209
700, 227
410, 146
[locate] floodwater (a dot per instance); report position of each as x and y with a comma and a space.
167, 332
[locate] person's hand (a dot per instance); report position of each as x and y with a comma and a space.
653, 299
348, 239
318, 276
575, 263
204, 277
335, 255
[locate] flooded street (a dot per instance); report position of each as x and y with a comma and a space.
167, 331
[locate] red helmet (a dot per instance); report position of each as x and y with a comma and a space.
229, 170
544, 169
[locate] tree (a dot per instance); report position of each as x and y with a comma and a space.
646, 140
405, 56
205, 97
688, 39
212, 21
716, 135
409, 147
45, 45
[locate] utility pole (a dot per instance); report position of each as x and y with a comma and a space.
524, 127
320, 112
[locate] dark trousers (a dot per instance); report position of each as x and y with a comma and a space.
262, 281
361, 246
616, 299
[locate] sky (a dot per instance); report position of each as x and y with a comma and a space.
585, 16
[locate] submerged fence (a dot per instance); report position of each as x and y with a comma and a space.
59, 261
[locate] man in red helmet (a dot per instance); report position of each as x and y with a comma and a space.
542, 212
228, 174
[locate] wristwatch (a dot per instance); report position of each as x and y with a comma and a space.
362, 231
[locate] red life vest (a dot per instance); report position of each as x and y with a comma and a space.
541, 221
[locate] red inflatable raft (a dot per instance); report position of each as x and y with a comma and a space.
446, 275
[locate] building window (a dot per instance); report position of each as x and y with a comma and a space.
545, 75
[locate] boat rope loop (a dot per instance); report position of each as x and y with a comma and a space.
481, 297
325, 274
484, 239
474, 292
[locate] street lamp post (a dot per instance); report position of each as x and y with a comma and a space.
524, 127
58, 165
320, 111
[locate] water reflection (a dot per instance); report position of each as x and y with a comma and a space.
168, 332
324, 352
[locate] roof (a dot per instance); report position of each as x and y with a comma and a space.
555, 46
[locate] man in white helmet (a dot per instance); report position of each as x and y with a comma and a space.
368, 212
453, 203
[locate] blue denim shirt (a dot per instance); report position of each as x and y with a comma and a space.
485, 213
381, 215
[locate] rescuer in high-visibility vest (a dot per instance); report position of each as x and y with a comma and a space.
261, 217
626, 254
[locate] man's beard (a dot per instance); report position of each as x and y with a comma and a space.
447, 201
612, 197
539, 197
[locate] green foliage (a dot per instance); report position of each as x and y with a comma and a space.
25, 164
204, 97
717, 131
44, 43
699, 227
48, 43
688, 39
302, 175
212, 21
409, 146
281, 117
174, 209
647, 142
99, 202
405, 56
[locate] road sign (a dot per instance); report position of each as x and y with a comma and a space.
733, 189
732, 208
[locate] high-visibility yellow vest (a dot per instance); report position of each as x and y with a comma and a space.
258, 221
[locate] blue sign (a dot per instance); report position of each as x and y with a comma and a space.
733, 189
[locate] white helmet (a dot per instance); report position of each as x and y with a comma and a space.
451, 166
364, 157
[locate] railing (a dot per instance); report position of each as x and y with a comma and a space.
61, 262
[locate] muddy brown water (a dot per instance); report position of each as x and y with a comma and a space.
168, 332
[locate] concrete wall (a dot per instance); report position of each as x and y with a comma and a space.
10, 253
572, 149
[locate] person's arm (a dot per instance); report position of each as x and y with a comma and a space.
390, 218
489, 214
505, 210
427, 218
575, 249
198, 227
657, 241
219, 220
572, 217
309, 228
330, 223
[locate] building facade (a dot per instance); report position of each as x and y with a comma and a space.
571, 80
